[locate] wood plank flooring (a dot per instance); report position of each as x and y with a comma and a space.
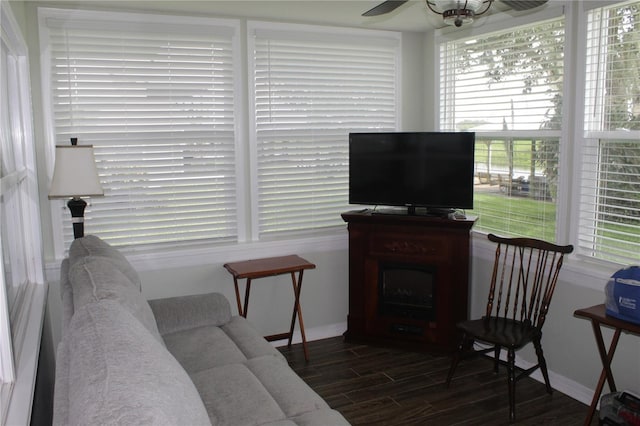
373, 385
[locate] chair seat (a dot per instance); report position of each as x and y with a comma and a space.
500, 331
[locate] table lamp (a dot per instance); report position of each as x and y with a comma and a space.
75, 175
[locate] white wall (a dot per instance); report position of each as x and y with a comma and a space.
568, 342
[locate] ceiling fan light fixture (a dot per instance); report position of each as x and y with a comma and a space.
457, 17
458, 12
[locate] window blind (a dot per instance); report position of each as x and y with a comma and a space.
310, 90
506, 86
610, 184
507, 80
156, 99
519, 200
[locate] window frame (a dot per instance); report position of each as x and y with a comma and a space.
247, 212
21, 314
148, 22
588, 142
257, 29
493, 24
586, 270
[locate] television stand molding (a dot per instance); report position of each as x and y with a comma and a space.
417, 211
408, 279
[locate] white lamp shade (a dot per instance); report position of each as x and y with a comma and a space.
75, 174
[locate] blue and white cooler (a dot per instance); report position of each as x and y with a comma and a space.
622, 293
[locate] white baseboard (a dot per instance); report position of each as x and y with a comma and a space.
315, 333
559, 382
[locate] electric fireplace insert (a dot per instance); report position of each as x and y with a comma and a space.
407, 291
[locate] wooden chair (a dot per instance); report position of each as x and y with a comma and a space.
525, 273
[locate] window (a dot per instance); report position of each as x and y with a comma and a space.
310, 88
22, 288
610, 185
506, 86
155, 96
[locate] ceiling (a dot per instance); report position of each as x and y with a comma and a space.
412, 16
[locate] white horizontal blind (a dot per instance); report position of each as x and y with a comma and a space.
507, 87
521, 200
508, 80
310, 90
156, 99
610, 181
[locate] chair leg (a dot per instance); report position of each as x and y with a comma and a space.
511, 382
542, 363
456, 358
496, 358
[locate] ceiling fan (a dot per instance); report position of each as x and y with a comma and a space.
455, 12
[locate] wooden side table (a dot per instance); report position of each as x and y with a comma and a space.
260, 268
597, 315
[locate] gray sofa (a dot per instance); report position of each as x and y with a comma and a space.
176, 361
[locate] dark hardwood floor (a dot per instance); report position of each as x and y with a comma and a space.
373, 385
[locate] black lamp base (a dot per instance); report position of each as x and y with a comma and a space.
77, 205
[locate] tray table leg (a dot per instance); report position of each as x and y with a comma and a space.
246, 297
297, 310
606, 357
235, 284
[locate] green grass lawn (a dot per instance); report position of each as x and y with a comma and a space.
620, 240
521, 154
527, 217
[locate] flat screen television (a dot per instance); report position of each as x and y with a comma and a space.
433, 170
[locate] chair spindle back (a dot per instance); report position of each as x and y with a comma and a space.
525, 273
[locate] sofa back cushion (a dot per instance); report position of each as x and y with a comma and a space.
119, 374
93, 278
91, 245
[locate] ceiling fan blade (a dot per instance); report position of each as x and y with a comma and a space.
384, 7
524, 4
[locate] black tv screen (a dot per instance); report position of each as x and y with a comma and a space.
415, 169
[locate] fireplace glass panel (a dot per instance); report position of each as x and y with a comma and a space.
407, 291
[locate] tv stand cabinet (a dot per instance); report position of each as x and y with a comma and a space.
427, 249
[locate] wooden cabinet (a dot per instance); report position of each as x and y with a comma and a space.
432, 251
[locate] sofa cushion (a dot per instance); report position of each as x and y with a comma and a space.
292, 394
202, 348
91, 245
93, 278
245, 336
260, 391
233, 395
325, 416
61, 392
119, 374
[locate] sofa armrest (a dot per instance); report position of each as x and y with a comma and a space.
175, 314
